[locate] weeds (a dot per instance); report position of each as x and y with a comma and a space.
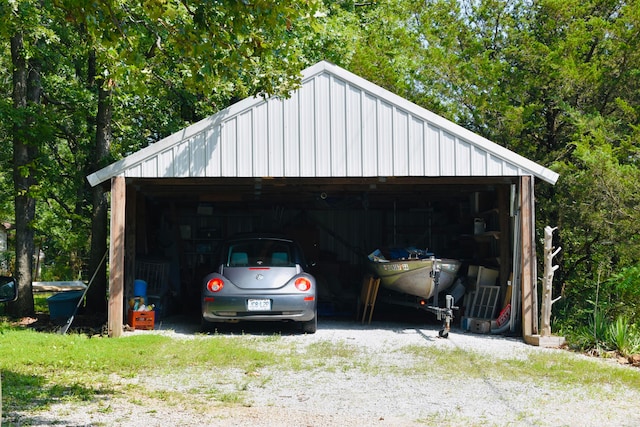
624, 337
602, 334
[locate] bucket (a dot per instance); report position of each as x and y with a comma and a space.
62, 305
139, 288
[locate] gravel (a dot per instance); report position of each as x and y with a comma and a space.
371, 392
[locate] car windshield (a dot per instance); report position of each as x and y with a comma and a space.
261, 253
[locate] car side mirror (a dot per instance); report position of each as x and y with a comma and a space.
8, 289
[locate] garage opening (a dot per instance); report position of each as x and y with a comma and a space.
174, 227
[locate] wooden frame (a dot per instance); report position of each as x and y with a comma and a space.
528, 261
124, 206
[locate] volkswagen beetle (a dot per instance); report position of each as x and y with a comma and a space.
260, 277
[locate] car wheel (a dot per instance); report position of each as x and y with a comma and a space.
310, 326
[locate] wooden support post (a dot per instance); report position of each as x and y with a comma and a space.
116, 257
505, 237
132, 220
528, 269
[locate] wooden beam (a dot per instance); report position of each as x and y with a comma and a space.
529, 283
505, 236
116, 257
132, 213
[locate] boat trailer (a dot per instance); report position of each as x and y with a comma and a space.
432, 305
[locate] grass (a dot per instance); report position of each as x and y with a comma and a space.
40, 369
560, 368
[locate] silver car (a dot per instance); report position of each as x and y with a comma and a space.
263, 278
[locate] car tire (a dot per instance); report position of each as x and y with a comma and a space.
310, 326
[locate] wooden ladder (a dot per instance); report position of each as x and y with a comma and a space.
368, 296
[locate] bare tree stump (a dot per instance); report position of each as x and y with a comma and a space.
549, 269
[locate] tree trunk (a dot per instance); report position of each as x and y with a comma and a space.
26, 89
97, 293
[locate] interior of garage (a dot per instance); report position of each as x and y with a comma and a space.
175, 226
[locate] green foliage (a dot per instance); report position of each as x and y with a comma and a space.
623, 291
624, 336
166, 64
554, 81
603, 334
594, 335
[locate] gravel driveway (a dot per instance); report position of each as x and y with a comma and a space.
375, 396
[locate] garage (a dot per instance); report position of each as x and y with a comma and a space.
344, 167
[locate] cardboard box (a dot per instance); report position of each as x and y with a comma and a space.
480, 326
141, 319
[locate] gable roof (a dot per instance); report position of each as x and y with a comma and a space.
336, 124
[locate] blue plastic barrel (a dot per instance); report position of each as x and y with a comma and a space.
139, 288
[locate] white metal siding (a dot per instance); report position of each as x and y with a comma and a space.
400, 138
338, 129
432, 151
275, 132
335, 125
417, 142
212, 140
369, 135
463, 158
354, 132
385, 140
260, 139
244, 144
323, 126
447, 144
291, 128
307, 123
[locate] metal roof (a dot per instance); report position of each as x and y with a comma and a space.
336, 124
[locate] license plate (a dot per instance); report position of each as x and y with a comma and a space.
259, 305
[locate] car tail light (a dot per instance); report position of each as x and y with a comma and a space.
215, 285
303, 284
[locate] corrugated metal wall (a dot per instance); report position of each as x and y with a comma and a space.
328, 128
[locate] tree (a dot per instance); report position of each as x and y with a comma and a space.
25, 87
25, 123
555, 82
132, 65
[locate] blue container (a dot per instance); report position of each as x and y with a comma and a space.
63, 304
140, 288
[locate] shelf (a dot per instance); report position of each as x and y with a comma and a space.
487, 235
